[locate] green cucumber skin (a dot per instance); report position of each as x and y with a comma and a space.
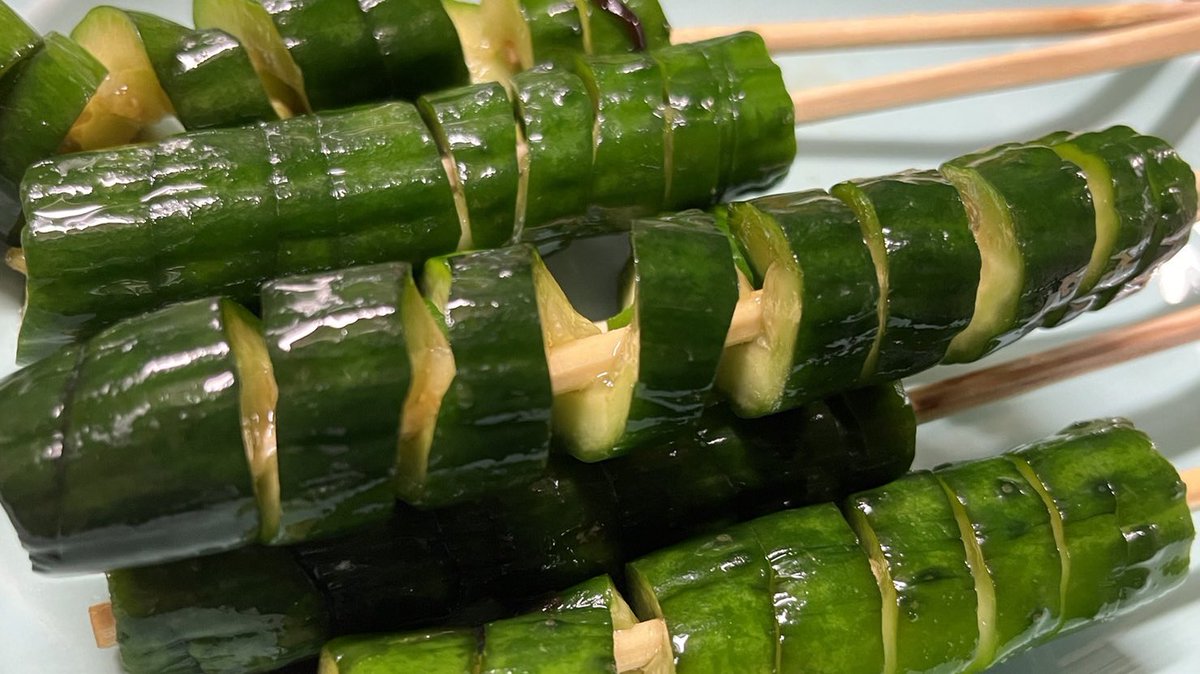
714, 595
256, 611
569, 640
760, 145
485, 438
555, 27
1013, 530
134, 487
418, 44
628, 143
686, 294
391, 194
336, 344
334, 48
474, 125
694, 128
205, 73
302, 189
1054, 224
839, 292
655, 28
66, 292
1126, 524
1132, 199
823, 592
451, 651
39, 101
18, 40
610, 34
198, 220
927, 563
557, 117
31, 447
930, 253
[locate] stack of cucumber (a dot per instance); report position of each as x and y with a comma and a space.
485, 369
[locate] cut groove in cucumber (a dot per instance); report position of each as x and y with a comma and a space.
259, 395
1056, 525
589, 421
985, 589
433, 369
644, 648
252, 25
507, 34
1099, 181
1002, 272
879, 567
753, 374
483, 62
522, 207
130, 99
872, 232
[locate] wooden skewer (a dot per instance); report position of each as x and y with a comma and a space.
915, 28
1107, 51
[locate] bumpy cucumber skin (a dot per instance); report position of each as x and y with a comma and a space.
18, 40
31, 447
761, 143
206, 74
823, 592
256, 611
485, 438
391, 194
693, 127
920, 542
686, 294
1015, 536
40, 98
930, 254
555, 27
302, 189
334, 48
569, 640
474, 125
839, 292
418, 44
628, 152
1054, 226
557, 117
134, 487
336, 344
1126, 524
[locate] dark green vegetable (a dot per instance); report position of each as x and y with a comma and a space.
18, 40
418, 43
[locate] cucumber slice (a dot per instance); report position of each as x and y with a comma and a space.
333, 340
302, 188
39, 101
920, 240
135, 489
484, 63
929, 601
507, 33
555, 28
1035, 226
823, 592
259, 397
643, 28
476, 442
130, 100
475, 131
566, 639
18, 40
819, 302
451, 651
251, 24
592, 419
693, 129
419, 45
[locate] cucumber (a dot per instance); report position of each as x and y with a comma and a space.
507, 34
819, 302
256, 610
1035, 225
130, 100
466, 441
628, 26
334, 339
391, 195
303, 191
929, 601
628, 155
920, 240
557, 118
18, 40
40, 99
449, 651
418, 43
252, 26
475, 131
134, 488
206, 74
555, 27
484, 63
693, 128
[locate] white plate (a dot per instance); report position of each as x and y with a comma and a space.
44, 624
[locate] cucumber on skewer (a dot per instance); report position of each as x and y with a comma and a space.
18, 40
420, 47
